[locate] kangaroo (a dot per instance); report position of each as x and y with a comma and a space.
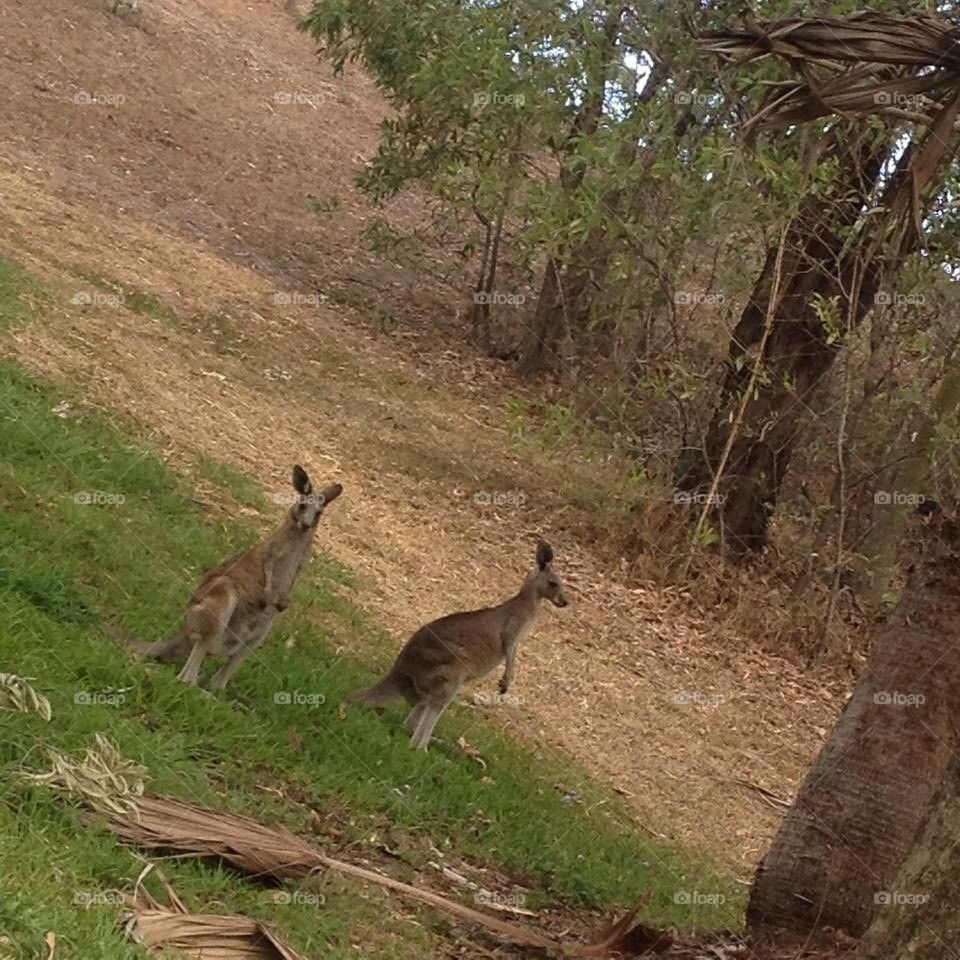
232, 610
445, 654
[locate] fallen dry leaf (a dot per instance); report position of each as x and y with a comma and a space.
204, 936
469, 750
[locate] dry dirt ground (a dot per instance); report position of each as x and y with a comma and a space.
192, 195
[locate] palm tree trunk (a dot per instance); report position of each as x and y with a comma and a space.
872, 785
918, 917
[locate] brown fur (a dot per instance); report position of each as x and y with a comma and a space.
447, 653
234, 606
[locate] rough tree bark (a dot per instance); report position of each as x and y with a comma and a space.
918, 916
870, 789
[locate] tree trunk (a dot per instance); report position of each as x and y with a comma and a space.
538, 349
551, 313
798, 353
870, 788
589, 262
918, 917
877, 567
567, 289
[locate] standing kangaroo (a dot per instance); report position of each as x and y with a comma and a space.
447, 653
232, 610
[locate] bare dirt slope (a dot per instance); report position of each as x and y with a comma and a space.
191, 195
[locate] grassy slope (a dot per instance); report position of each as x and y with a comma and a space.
65, 566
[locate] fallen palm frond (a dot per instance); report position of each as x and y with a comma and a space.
104, 779
165, 823
861, 64
17, 694
201, 935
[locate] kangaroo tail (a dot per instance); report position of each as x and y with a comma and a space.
170, 648
380, 693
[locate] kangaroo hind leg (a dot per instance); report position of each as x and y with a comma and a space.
205, 626
432, 711
413, 718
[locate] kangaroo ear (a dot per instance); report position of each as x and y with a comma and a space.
331, 493
301, 482
544, 554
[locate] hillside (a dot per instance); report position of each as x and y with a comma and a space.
166, 275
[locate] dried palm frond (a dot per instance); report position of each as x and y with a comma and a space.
921, 40
17, 694
104, 778
165, 823
201, 935
857, 65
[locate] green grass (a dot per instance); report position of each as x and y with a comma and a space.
21, 294
242, 488
94, 530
